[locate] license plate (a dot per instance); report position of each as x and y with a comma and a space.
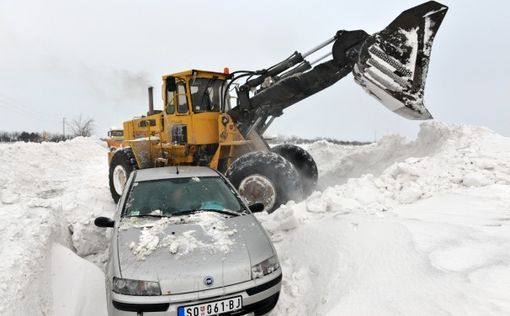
212, 308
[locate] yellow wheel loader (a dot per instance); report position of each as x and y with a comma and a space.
199, 125
115, 138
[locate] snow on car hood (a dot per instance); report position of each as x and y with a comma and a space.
154, 234
180, 252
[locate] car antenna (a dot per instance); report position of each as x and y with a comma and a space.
177, 169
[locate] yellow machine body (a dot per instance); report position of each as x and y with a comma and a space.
115, 138
183, 133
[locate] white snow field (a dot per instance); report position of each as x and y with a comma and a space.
399, 227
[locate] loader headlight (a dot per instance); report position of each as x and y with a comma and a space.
265, 267
136, 287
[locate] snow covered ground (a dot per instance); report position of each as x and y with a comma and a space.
398, 227
48, 191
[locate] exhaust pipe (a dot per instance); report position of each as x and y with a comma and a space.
151, 101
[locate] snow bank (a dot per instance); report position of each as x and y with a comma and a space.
398, 227
49, 192
402, 227
77, 285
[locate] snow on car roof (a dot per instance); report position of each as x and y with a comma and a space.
171, 172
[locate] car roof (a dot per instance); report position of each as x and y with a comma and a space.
173, 172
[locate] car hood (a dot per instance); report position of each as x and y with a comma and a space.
181, 252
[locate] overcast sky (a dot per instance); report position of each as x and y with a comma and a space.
62, 58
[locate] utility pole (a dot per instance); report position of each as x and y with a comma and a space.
64, 127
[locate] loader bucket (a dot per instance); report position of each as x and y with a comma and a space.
393, 63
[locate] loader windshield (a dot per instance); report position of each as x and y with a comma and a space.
206, 94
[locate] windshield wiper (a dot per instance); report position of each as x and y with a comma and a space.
224, 211
184, 212
193, 211
148, 215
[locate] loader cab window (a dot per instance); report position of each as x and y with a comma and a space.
177, 98
206, 94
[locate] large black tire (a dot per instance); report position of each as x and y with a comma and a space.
265, 177
122, 164
304, 164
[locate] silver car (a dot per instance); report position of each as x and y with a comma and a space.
185, 244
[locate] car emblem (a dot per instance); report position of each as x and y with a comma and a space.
208, 280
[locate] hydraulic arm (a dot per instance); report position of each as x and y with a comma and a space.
391, 65
198, 127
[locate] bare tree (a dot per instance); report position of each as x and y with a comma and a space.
81, 126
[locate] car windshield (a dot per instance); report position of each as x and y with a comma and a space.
179, 196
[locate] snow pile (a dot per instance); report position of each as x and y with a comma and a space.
399, 227
149, 238
213, 224
441, 158
181, 245
155, 235
47, 191
411, 227
79, 286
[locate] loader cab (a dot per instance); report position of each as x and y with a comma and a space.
192, 105
193, 92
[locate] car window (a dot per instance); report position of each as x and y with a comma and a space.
169, 196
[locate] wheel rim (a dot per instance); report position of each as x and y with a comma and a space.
119, 179
257, 188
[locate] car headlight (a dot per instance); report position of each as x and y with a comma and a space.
265, 267
136, 287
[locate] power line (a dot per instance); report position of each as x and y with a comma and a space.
12, 104
15, 107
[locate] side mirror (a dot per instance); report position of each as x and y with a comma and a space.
256, 207
171, 86
104, 222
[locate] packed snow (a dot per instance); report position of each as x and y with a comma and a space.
397, 227
49, 193
412, 227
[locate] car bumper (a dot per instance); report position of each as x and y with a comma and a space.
259, 296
